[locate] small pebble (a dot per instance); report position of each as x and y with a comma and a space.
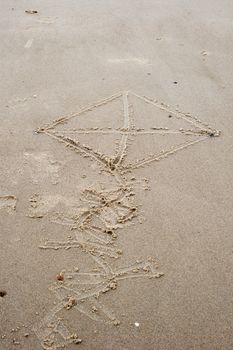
3, 293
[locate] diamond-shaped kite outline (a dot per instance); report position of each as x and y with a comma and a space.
117, 162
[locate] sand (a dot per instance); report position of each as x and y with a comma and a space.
116, 175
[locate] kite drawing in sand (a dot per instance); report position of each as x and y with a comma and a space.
180, 131
121, 134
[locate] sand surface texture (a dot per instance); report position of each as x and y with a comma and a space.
116, 175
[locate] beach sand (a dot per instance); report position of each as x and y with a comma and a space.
116, 175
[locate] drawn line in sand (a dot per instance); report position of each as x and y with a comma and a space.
82, 291
8, 203
104, 213
94, 228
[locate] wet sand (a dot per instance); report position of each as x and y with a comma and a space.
116, 175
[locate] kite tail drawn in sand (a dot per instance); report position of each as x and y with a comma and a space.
128, 124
